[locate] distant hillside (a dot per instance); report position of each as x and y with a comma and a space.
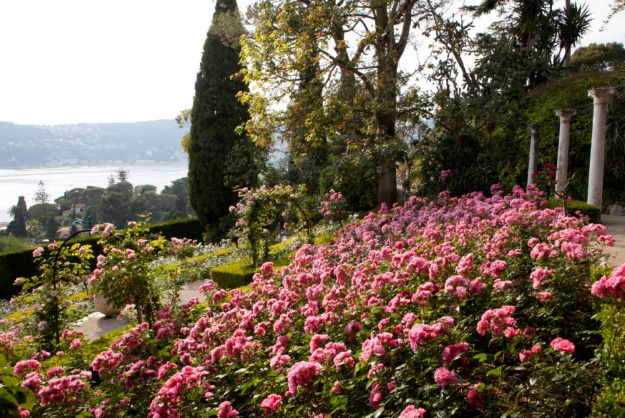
31, 146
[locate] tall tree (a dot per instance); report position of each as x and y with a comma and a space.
474, 105
122, 174
215, 115
92, 198
539, 31
43, 212
17, 226
116, 204
351, 49
601, 57
41, 195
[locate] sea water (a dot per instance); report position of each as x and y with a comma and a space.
15, 183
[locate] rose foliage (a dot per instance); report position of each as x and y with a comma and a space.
451, 307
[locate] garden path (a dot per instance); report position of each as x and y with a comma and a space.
616, 228
96, 324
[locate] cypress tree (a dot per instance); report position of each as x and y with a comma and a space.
215, 115
17, 227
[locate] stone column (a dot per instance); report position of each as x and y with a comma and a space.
597, 147
565, 116
533, 163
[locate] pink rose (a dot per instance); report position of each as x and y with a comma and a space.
563, 345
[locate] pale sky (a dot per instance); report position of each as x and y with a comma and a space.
72, 61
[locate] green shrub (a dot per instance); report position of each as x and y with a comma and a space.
20, 263
573, 206
240, 273
324, 239
12, 243
233, 275
180, 228
611, 403
15, 264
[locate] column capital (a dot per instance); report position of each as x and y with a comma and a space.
565, 115
601, 95
535, 128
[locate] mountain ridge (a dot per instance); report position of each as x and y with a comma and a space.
92, 144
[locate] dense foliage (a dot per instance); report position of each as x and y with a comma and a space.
220, 159
329, 74
450, 306
598, 57
569, 93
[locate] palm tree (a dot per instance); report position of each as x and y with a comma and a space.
540, 31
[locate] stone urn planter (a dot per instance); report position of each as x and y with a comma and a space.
102, 306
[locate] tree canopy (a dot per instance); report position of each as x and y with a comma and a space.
337, 65
598, 56
215, 149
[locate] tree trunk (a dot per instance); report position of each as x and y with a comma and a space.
387, 190
567, 51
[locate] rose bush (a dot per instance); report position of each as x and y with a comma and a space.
128, 273
46, 299
452, 307
259, 211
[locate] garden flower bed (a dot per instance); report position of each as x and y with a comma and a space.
455, 307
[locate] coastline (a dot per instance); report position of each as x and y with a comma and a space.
24, 182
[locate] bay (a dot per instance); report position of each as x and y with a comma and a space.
24, 182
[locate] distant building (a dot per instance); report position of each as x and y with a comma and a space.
79, 207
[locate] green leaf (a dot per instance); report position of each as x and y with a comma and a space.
494, 372
9, 381
6, 397
481, 357
247, 386
26, 398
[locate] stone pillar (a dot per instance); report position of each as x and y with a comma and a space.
565, 116
597, 147
533, 163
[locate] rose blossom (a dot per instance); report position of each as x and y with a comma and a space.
563, 345
301, 374
270, 403
412, 412
226, 410
444, 377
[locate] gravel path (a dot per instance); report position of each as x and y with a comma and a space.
616, 228
96, 325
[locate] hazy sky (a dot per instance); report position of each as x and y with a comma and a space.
71, 61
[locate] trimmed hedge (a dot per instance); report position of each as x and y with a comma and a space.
20, 263
572, 206
15, 264
233, 275
240, 273
180, 228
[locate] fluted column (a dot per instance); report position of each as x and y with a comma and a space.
565, 116
601, 97
533, 163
